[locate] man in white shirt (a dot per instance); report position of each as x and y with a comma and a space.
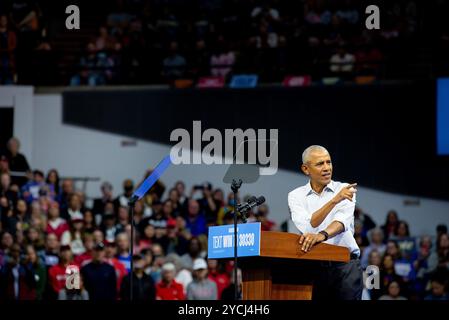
323, 211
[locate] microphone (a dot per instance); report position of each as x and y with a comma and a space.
251, 203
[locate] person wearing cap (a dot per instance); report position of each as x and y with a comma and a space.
201, 288
57, 274
143, 284
168, 288
109, 226
75, 237
99, 276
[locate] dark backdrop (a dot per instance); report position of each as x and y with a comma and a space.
381, 136
6, 126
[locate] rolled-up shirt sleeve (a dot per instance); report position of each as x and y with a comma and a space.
345, 213
299, 214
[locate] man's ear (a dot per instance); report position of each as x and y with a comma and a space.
305, 169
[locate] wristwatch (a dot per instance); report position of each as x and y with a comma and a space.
325, 234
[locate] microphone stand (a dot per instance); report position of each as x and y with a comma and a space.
132, 201
235, 186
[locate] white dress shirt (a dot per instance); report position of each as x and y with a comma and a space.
304, 201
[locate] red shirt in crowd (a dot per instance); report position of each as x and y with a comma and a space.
169, 291
58, 227
221, 280
57, 276
83, 258
120, 271
267, 225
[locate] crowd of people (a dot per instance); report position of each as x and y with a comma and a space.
272, 39
407, 266
150, 41
48, 232
24, 43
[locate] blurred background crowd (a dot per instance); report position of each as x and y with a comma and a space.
160, 41
50, 228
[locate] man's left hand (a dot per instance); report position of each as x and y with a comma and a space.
308, 240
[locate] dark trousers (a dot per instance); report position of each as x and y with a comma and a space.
338, 281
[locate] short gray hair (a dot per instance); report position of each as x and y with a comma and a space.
309, 150
14, 139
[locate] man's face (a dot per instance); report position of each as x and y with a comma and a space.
7, 240
377, 237
194, 246
66, 256
180, 187
157, 249
52, 242
14, 253
110, 251
98, 236
99, 255
437, 288
13, 146
75, 202
107, 192
128, 186
168, 276
89, 243
167, 208
394, 289
319, 167
122, 242
375, 258
174, 195
21, 206
67, 186
193, 207
5, 180
38, 178
139, 264
201, 273
123, 213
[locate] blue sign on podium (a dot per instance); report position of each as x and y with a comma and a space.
221, 241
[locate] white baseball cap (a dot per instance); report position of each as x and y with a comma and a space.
168, 267
199, 263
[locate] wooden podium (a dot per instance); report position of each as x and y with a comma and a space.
283, 271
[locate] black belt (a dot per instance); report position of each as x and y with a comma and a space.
354, 256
